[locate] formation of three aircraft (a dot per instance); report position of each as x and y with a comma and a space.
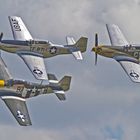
15, 92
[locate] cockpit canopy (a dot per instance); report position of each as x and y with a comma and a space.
38, 42
27, 42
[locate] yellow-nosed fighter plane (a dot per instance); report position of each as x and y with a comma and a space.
15, 92
128, 55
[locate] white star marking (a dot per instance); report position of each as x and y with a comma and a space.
53, 50
21, 116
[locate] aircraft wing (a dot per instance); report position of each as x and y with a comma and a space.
4, 73
19, 30
131, 67
116, 36
35, 63
18, 108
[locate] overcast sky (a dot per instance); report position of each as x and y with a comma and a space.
102, 104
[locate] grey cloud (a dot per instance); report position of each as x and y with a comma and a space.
100, 96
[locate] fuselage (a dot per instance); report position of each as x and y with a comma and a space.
112, 51
23, 89
44, 48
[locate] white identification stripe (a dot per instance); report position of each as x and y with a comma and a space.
12, 97
59, 92
53, 81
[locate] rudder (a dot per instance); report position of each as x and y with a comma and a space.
64, 83
82, 44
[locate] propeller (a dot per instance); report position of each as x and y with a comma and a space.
95, 49
1, 36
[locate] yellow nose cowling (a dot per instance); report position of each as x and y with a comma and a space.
2, 83
93, 49
97, 49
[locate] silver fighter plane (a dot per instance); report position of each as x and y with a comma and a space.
33, 51
128, 55
15, 92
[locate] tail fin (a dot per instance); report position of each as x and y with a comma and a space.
81, 44
76, 48
64, 83
58, 87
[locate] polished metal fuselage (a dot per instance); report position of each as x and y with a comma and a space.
45, 48
112, 51
24, 89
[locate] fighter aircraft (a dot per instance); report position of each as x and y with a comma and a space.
32, 51
15, 92
128, 55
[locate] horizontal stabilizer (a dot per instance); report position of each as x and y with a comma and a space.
59, 87
52, 78
70, 40
77, 55
81, 44
77, 48
60, 94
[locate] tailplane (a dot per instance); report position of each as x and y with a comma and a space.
77, 48
64, 83
59, 87
81, 44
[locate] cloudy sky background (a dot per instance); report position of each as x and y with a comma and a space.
102, 104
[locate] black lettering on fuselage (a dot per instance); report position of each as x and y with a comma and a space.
19, 89
136, 54
37, 49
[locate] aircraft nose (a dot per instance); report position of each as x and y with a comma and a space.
93, 49
97, 49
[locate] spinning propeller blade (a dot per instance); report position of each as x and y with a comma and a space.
96, 45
